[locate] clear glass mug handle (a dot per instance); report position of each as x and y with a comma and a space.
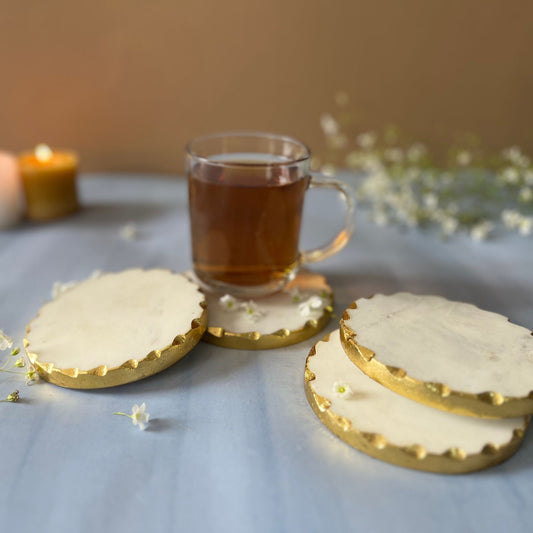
319, 181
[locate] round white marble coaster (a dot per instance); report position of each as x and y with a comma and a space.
395, 429
116, 328
287, 317
450, 355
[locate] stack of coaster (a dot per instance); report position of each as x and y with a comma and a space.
424, 382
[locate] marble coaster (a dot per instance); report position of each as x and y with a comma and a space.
116, 328
397, 430
288, 317
449, 355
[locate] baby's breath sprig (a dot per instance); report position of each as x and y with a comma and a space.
9, 364
401, 183
11, 367
250, 309
31, 375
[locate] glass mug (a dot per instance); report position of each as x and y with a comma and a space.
246, 195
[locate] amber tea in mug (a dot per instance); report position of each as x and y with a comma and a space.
246, 195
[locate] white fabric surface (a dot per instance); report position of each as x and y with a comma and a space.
233, 445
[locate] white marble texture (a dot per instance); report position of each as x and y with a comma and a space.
373, 408
232, 444
437, 340
113, 318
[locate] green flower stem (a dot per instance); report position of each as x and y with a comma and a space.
124, 414
11, 371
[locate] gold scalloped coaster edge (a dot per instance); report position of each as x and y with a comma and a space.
131, 370
415, 456
255, 340
488, 404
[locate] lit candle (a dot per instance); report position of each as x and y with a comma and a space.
49, 180
11, 197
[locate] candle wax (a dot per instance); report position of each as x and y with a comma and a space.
50, 185
11, 196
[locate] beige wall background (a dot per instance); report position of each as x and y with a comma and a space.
127, 82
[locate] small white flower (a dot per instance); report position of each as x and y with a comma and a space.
513, 153
328, 170
526, 194
394, 155
59, 288
523, 162
481, 231
342, 390
525, 226
228, 303
464, 158
139, 416
316, 163
511, 219
376, 186
325, 295
416, 152
295, 295
337, 142
31, 375
354, 159
366, 140
129, 231
380, 217
516, 157
329, 125
431, 200
252, 311
311, 304
413, 173
5, 341
373, 164
341, 99
510, 175
449, 225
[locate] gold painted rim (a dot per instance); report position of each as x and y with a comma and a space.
452, 461
253, 340
488, 404
128, 372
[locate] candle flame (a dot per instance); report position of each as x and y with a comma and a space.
43, 153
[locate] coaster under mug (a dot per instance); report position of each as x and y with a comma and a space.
293, 315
